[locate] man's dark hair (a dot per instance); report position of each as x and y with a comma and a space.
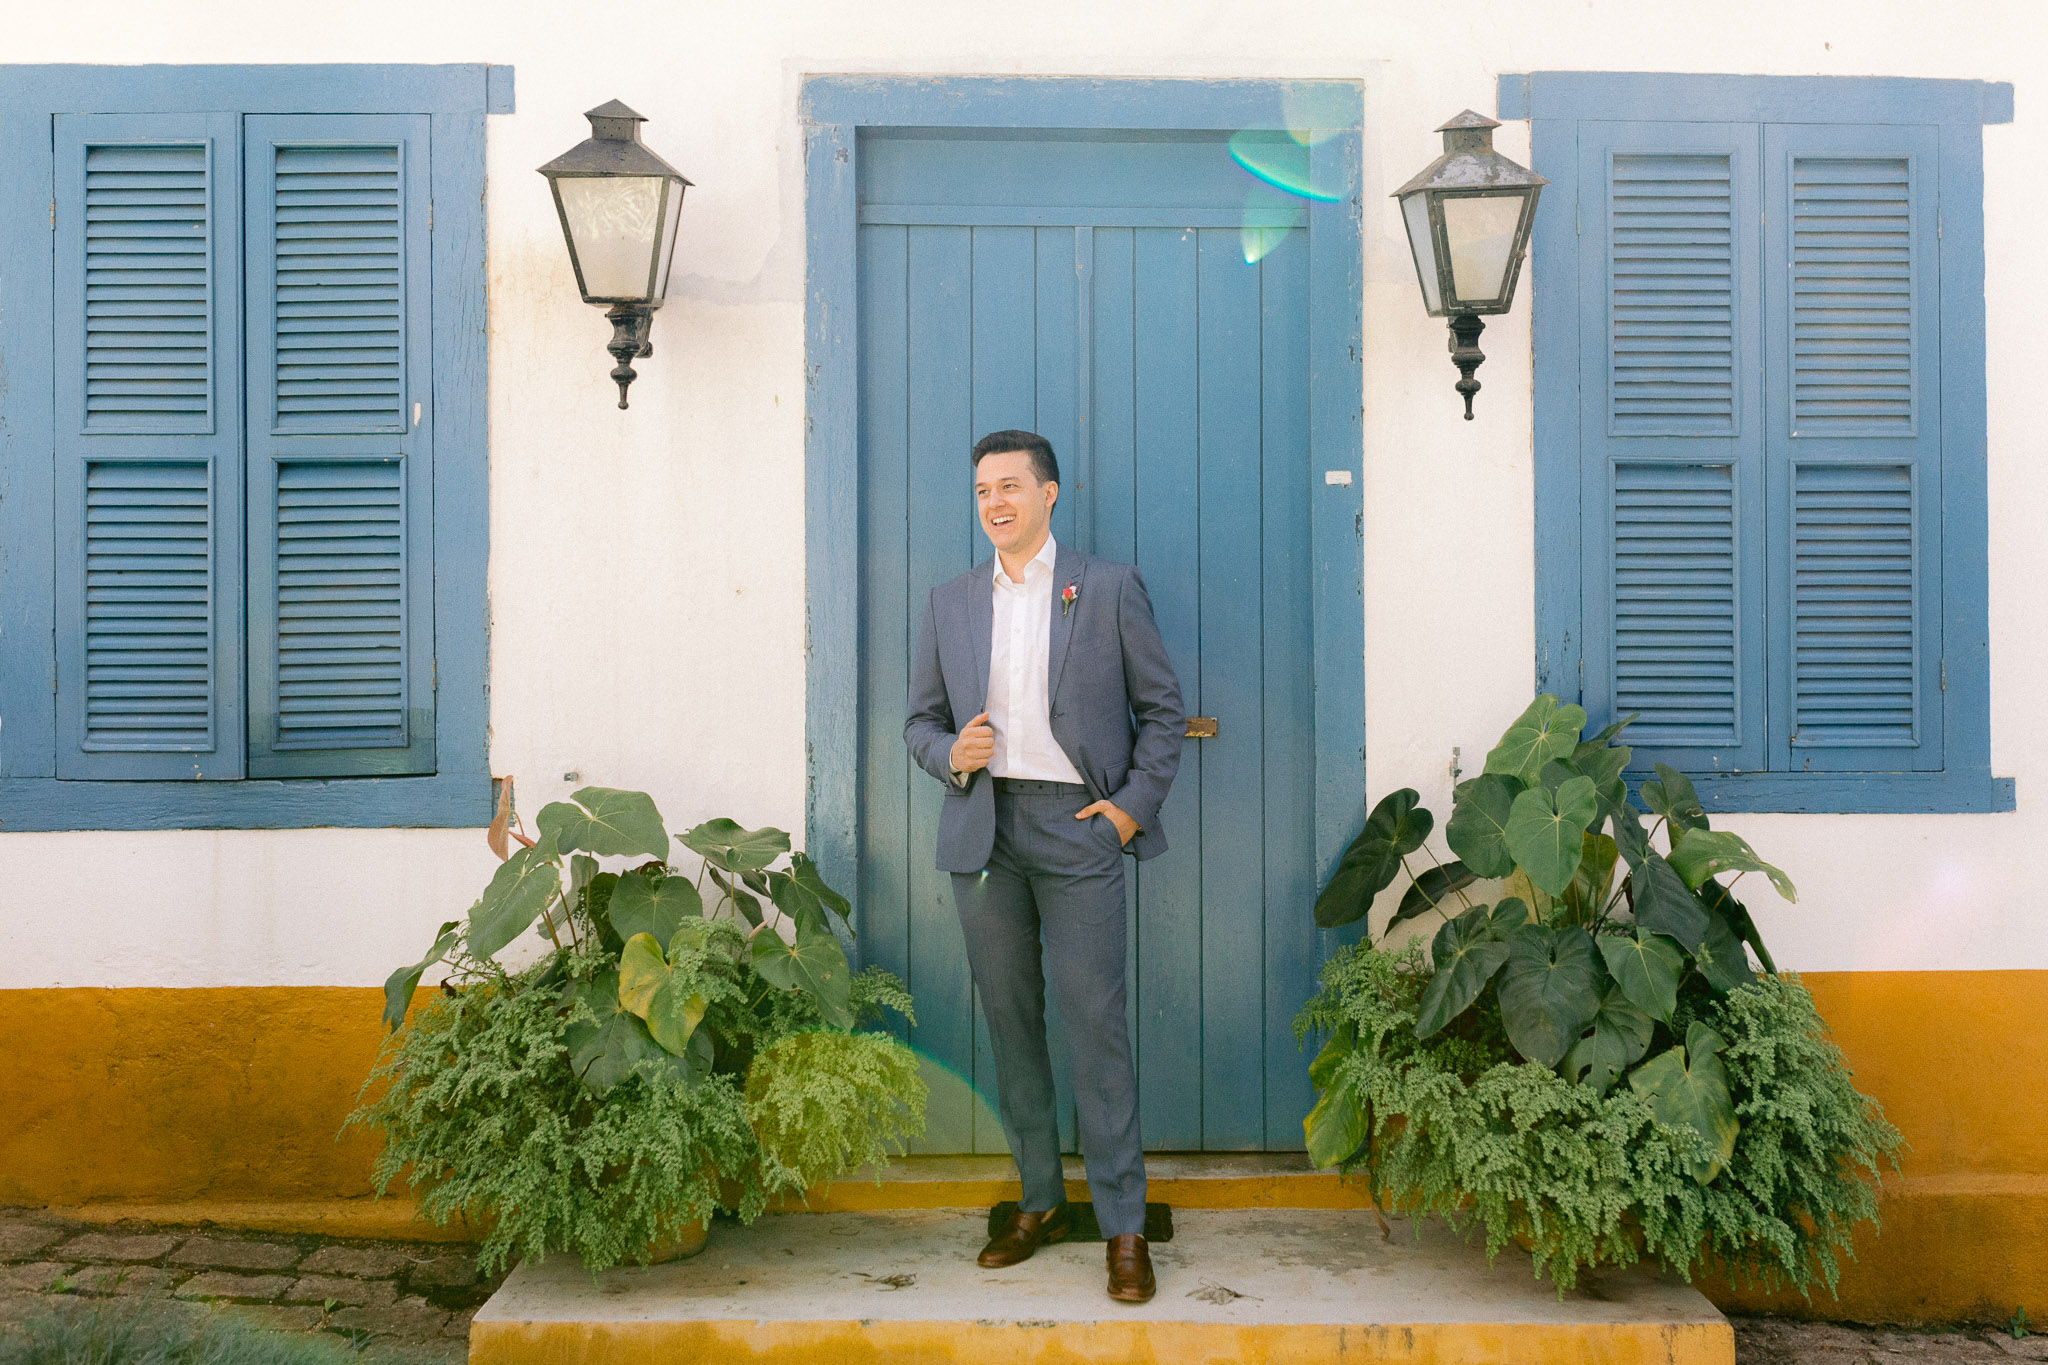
1044, 466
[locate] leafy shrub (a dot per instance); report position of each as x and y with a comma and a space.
1484, 1083
667, 1058
151, 1332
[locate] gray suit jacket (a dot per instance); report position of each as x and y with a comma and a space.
1114, 701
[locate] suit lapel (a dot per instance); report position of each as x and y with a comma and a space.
981, 625
1066, 573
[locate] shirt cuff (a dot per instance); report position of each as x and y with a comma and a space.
960, 779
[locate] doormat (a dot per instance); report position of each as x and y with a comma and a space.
1158, 1221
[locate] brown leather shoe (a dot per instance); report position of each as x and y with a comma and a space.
1130, 1269
1024, 1234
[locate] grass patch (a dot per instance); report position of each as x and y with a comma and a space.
153, 1332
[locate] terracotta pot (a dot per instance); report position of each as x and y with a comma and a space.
688, 1243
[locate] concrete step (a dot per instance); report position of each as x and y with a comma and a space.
1272, 1285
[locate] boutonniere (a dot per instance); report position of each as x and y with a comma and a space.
1067, 596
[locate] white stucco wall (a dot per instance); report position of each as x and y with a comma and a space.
647, 572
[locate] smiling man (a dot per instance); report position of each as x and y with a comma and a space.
1042, 697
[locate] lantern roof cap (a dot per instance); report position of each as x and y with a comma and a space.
1468, 119
1469, 161
613, 148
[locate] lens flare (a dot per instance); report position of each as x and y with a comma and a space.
955, 1094
1269, 216
1280, 160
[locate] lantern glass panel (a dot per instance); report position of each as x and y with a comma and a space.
1481, 231
1415, 212
613, 221
667, 245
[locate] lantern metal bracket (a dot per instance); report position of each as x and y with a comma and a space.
1465, 354
632, 329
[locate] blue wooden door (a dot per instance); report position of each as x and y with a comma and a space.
1106, 292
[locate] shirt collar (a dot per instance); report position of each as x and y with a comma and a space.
1048, 555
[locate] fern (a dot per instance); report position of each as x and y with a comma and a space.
1459, 1126
482, 1115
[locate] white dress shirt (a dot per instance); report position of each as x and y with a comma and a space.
1019, 646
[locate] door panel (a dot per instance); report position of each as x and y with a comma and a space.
1171, 377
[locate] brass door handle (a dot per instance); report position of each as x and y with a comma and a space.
1201, 727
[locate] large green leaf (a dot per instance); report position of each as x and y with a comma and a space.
1432, 891
609, 1050
1546, 831
1544, 732
1719, 956
802, 894
814, 964
1550, 989
1605, 765
1511, 914
736, 849
1647, 967
1323, 1069
1664, 905
673, 1015
400, 985
644, 904
1702, 853
1718, 901
642, 972
1619, 1036
605, 820
1687, 1087
1478, 831
1608, 732
1464, 955
522, 885
1673, 797
1336, 1127
1631, 840
1397, 826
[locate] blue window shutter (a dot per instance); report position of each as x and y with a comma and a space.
148, 447
1851, 298
1672, 491
340, 447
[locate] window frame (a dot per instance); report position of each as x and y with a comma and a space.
1555, 103
456, 98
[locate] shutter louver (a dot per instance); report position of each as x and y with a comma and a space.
1675, 636
341, 573
1855, 449
1855, 674
148, 450
148, 289
341, 605
1672, 295
1852, 297
339, 289
149, 644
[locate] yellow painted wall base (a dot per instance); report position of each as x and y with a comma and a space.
1108, 1342
224, 1104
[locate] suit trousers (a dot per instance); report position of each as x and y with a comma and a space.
1053, 877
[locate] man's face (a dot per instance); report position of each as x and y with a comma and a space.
1013, 504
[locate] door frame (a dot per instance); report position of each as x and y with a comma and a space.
833, 109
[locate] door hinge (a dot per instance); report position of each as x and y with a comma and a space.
1944, 675
430, 215
1937, 227
53, 215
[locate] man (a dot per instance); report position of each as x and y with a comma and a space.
1042, 697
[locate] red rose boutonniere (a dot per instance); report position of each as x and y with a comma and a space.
1067, 597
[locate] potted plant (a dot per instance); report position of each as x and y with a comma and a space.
1585, 1061
680, 1044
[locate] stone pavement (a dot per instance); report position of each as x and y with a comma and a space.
410, 1303
402, 1303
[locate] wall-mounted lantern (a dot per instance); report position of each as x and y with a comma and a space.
619, 203
1468, 217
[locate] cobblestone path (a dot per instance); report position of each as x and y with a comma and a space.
409, 1303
